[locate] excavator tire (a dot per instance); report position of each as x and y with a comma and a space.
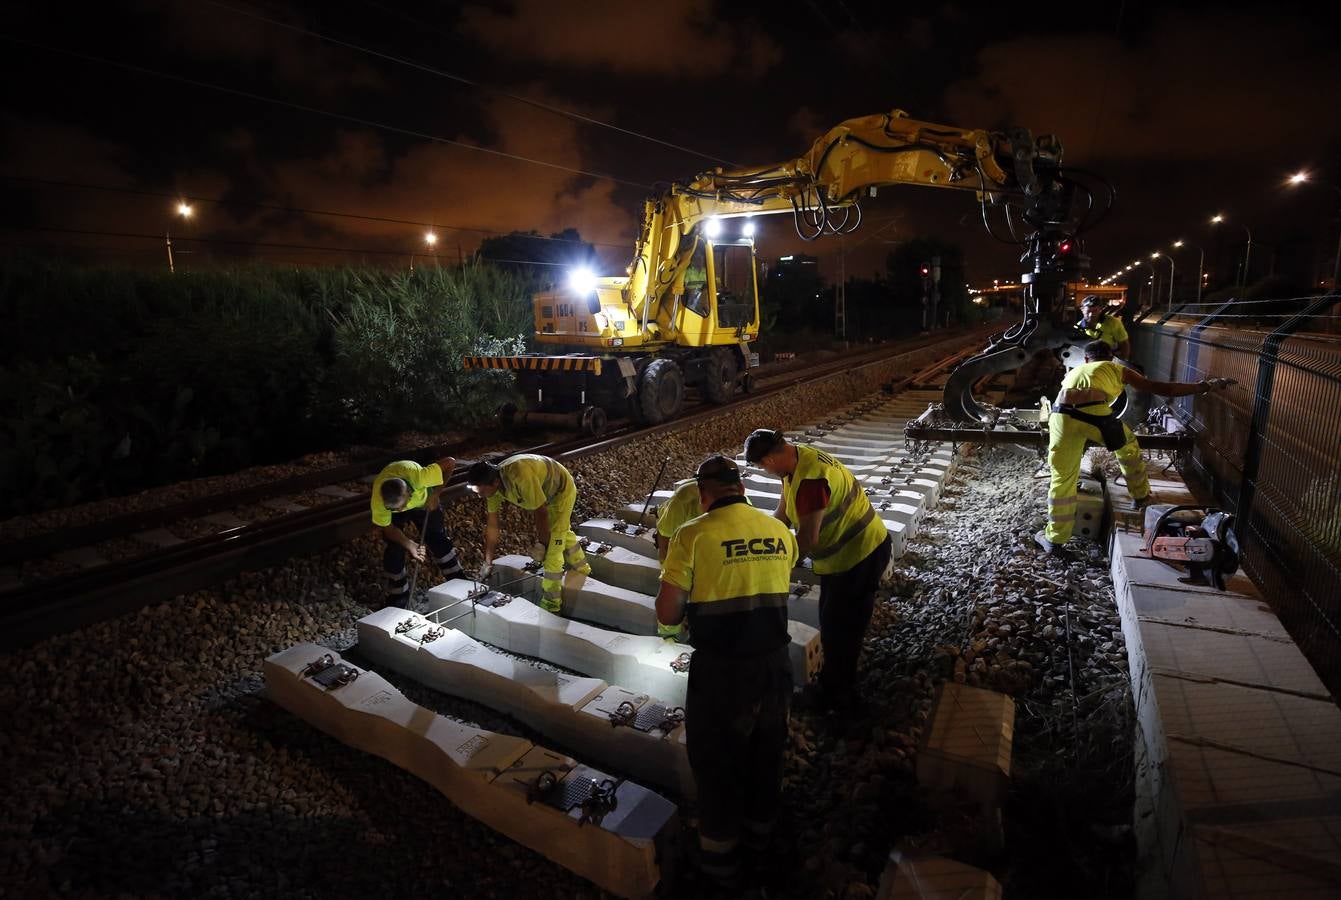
661, 391
720, 385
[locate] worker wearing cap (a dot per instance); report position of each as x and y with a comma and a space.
848, 544
401, 488
544, 488
1097, 324
1083, 412
728, 573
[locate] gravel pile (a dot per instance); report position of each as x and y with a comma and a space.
143, 760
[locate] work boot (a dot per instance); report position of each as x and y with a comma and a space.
1140, 503
1049, 547
584, 569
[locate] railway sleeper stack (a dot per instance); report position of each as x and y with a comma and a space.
602, 828
629, 730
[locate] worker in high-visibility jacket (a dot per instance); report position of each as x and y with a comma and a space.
848, 545
544, 488
399, 491
1098, 324
728, 573
1082, 412
683, 505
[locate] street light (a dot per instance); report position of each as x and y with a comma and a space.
1216, 220
1201, 265
1299, 178
184, 210
1157, 255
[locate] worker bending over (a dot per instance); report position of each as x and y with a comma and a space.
1098, 324
728, 571
399, 489
544, 488
683, 505
848, 544
1082, 412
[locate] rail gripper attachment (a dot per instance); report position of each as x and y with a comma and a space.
326, 672
681, 662
432, 635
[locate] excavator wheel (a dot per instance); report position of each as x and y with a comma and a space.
661, 391
720, 385
594, 421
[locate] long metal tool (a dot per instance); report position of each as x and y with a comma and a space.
665, 462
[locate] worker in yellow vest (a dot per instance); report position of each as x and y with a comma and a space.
728, 572
1098, 324
680, 508
1082, 412
544, 488
399, 492
848, 545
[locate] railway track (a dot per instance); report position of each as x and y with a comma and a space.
33, 609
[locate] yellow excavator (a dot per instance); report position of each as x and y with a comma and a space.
687, 308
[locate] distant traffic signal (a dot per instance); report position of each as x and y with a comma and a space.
924, 270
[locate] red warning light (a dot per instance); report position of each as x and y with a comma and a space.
1064, 247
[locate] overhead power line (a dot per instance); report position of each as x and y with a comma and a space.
267, 244
291, 209
431, 70
275, 101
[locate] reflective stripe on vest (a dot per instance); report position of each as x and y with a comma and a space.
740, 604
847, 519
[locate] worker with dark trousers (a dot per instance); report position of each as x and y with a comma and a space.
399, 492
728, 573
544, 488
847, 543
1083, 412
1098, 324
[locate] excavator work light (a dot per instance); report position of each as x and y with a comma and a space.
582, 280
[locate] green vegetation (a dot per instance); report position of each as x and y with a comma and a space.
113, 380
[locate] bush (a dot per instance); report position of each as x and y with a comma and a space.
115, 380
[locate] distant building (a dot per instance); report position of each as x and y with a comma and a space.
797, 262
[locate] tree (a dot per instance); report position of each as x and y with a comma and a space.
541, 260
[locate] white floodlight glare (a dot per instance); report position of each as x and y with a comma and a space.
712, 227
582, 280
748, 230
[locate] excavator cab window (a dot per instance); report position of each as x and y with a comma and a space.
733, 271
696, 282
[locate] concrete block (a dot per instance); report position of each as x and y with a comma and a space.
639, 663
486, 775
562, 707
638, 538
807, 655
617, 565
934, 878
1091, 509
967, 747
588, 598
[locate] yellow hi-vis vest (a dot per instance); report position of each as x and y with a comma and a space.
1110, 330
530, 481
680, 508
735, 562
850, 529
1097, 385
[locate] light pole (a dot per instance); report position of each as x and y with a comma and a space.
1299, 178
183, 210
1201, 265
1158, 255
1216, 220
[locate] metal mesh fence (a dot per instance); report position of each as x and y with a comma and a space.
1269, 450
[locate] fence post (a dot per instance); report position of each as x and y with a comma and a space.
1266, 377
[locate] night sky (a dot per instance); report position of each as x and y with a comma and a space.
1188, 109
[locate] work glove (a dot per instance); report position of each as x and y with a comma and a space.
1217, 384
485, 571
673, 634
538, 552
